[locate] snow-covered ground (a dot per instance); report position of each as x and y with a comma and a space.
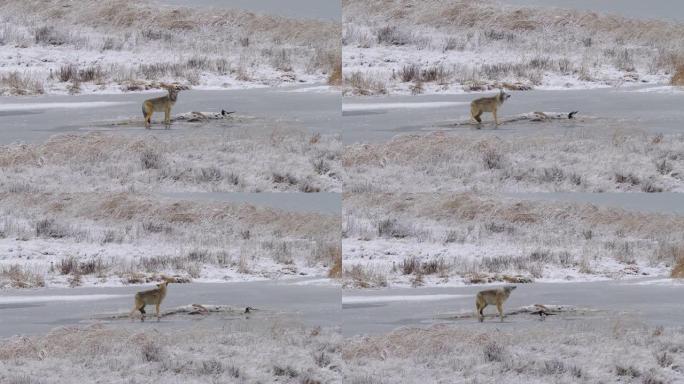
455, 239
109, 239
240, 351
435, 46
205, 158
582, 160
617, 350
61, 46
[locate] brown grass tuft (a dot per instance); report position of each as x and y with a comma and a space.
335, 271
16, 276
678, 77
678, 269
335, 77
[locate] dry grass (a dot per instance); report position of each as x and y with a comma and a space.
434, 41
462, 207
582, 161
138, 237
158, 215
239, 159
479, 239
241, 351
16, 83
181, 44
357, 276
364, 84
558, 352
335, 270
18, 276
678, 77
335, 77
678, 268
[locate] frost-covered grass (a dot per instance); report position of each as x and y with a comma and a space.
237, 352
62, 239
450, 46
589, 161
60, 46
440, 239
206, 159
613, 350
609, 351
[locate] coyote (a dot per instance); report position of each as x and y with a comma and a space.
152, 296
493, 296
487, 104
160, 104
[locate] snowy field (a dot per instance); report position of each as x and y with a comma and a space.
592, 159
434, 46
209, 157
618, 350
103, 239
454, 239
614, 350
67, 47
242, 351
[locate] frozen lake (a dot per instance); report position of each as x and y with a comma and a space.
653, 109
655, 301
323, 202
309, 9
39, 310
36, 118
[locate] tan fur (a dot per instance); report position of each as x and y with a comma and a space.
160, 104
492, 297
150, 297
487, 104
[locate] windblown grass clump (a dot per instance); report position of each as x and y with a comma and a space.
365, 84
19, 276
678, 268
678, 77
18, 83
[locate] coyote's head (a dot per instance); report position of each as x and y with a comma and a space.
173, 93
502, 96
173, 89
165, 281
509, 288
